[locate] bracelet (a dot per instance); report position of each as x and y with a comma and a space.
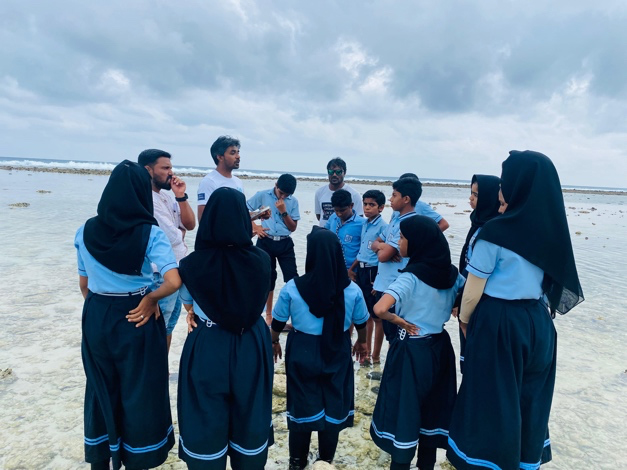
182, 199
275, 342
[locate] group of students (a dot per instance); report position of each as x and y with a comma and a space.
516, 270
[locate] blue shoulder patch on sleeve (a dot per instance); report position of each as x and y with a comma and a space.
201, 196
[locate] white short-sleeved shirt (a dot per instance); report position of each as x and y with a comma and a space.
324, 208
213, 181
168, 215
422, 305
510, 276
291, 304
102, 280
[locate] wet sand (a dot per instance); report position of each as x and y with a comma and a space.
41, 396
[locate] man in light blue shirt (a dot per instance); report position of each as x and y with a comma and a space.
346, 224
274, 236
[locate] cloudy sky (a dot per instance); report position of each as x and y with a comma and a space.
441, 88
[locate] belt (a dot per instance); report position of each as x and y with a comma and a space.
402, 334
278, 238
141, 291
209, 323
366, 265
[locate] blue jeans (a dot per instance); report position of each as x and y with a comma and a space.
170, 306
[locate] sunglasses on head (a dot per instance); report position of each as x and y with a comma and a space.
337, 172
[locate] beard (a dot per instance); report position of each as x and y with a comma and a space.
164, 184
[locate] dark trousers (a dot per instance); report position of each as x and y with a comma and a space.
283, 252
365, 279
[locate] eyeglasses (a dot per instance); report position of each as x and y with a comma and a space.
337, 172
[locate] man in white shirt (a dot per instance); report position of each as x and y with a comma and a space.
225, 154
174, 215
336, 169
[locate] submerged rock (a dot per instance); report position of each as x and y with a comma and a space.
374, 375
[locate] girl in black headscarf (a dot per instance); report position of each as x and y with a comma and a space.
418, 387
484, 208
225, 380
127, 406
320, 383
522, 261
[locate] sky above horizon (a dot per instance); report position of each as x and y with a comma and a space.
442, 89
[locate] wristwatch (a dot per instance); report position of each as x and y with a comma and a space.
182, 199
284, 214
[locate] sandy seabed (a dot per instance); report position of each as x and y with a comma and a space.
41, 375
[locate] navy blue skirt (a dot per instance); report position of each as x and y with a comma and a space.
127, 403
225, 397
320, 397
416, 397
502, 411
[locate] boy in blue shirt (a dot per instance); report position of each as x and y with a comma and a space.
274, 236
422, 208
346, 224
406, 193
364, 269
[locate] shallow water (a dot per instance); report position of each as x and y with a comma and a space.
41, 400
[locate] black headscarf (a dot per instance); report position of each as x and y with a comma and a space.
322, 287
429, 253
534, 225
226, 275
487, 208
118, 236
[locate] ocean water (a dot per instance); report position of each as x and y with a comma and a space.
41, 399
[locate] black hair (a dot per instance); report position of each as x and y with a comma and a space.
337, 162
411, 187
150, 156
375, 194
286, 183
341, 198
221, 144
409, 175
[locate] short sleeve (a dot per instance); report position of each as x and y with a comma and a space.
328, 224
79, 258
484, 258
281, 311
254, 202
427, 211
317, 206
393, 235
295, 212
360, 311
401, 287
205, 188
159, 251
186, 297
358, 203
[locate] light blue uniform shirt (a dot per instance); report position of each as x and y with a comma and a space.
291, 304
422, 208
370, 231
422, 305
388, 271
186, 298
102, 280
349, 234
510, 276
275, 223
